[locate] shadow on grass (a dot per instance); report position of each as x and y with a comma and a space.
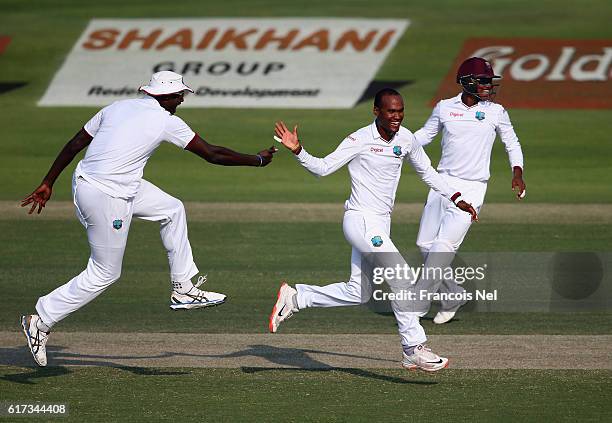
300, 360
283, 359
354, 372
21, 357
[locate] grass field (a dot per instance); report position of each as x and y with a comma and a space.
567, 163
339, 395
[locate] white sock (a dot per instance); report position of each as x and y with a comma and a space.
294, 302
40, 325
182, 287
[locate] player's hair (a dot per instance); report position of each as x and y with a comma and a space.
380, 94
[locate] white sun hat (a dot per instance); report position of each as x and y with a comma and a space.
165, 82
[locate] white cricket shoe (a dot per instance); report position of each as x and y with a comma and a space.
37, 339
445, 316
423, 358
284, 308
195, 298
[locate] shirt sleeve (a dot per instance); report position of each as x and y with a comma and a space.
422, 165
178, 132
511, 142
428, 132
346, 151
93, 125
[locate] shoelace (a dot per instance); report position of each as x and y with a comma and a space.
39, 340
201, 280
199, 295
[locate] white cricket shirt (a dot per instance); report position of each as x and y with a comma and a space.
125, 134
375, 167
468, 134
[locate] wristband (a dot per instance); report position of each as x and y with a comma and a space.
260, 160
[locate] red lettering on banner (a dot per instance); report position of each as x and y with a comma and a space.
181, 38
251, 38
238, 39
270, 37
352, 38
101, 39
134, 36
318, 39
538, 73
206, 39
384, 40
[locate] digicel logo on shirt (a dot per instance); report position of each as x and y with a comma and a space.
542, 73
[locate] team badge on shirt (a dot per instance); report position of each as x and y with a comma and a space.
117, 224
480, 115
377, 241
397, 150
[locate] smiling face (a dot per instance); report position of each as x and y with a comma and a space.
389, 115
485, 88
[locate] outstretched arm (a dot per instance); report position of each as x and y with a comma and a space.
219, 155
345, 152
42, 194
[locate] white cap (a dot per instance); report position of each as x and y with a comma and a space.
165, 82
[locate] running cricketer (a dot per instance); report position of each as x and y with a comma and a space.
374, 154
108, 191
469, 123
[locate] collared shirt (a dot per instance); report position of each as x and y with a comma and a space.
125, 134
375, 167
468, 134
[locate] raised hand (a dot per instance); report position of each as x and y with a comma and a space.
288, 138
39, 198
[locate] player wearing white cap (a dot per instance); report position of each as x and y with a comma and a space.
469, 123
108, 190
374, 155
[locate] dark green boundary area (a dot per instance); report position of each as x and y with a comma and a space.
256, 394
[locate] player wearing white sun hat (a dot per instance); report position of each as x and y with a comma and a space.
108, 191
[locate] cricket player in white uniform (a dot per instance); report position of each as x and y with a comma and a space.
469, 123
374, 155
108, 190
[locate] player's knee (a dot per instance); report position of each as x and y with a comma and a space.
104, 275
356, 294
443, 245
424, 246
178, 208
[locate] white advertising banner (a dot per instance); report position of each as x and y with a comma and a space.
265, 62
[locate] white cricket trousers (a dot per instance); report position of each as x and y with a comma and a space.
443, 228
359, 229
107, 222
